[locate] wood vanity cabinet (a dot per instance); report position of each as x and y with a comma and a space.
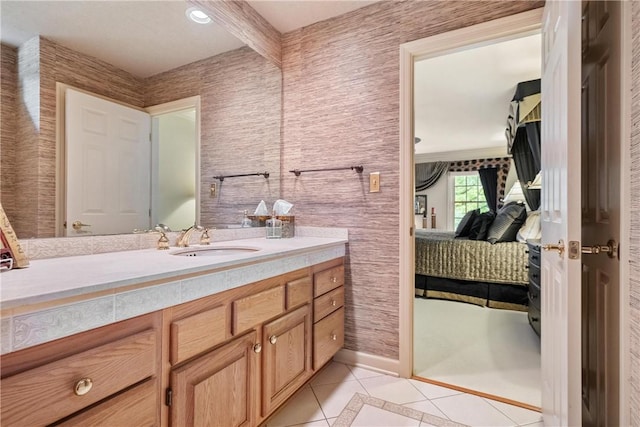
229, 359
107, 376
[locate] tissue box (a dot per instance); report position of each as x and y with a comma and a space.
288, 225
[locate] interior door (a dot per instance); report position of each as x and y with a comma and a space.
601, 101
108, 160
560, 287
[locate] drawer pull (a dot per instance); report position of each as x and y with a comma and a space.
83, 387
273, 339
333, 303
334, 279
334, 337
257, 348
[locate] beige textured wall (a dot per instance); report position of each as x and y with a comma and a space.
341, 107
8, 95
634, 243
240, 102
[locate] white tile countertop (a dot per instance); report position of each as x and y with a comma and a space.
78, 293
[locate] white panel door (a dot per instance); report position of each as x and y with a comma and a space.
561, 213
108, 158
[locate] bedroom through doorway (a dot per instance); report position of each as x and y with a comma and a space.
472, 325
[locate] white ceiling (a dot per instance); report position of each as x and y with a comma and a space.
462, 99
146, 37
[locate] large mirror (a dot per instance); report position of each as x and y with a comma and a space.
144, 55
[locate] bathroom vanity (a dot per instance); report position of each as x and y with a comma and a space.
172, 340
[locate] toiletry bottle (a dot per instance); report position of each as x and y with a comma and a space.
433, 217
246, 222
274, 227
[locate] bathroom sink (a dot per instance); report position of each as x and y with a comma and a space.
214, 251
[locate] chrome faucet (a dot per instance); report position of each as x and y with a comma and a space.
185, 236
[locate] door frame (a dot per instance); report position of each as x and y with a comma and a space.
502, 29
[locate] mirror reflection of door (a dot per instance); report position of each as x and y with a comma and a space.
458, 341
173, 183
107, 166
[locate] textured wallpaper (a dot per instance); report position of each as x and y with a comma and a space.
341, 108
8, 93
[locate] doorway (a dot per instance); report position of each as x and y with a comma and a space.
496, 31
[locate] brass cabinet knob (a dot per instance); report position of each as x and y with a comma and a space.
257, 348
333, 303
273, 339
334, 279
334, 337
83, 387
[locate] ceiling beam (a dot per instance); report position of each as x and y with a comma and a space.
242, 21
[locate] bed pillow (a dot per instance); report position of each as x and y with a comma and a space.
531, 228
480, 226
466, 222
507, 223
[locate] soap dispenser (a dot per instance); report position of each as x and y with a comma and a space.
274, 227
246, 222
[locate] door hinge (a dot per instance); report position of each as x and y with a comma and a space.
168, 397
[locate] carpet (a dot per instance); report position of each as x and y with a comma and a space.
359, 401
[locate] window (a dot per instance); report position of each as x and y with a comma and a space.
467, 195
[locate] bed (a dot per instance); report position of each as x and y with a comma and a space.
471, 271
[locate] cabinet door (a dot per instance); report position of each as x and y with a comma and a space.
286, 357
218, 388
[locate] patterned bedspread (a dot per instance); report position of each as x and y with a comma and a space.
439, 254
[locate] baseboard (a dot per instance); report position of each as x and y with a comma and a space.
380, 364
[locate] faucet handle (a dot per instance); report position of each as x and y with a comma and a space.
204, 238
163, 241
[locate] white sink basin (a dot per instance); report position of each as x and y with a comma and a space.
214, 251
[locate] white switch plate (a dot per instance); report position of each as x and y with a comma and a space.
374, 182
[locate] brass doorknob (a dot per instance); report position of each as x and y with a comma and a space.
611, 249
77, 225
83, 386
273, 339
559, 247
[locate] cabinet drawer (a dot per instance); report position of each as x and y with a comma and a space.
329, 279
198, 333
258, 308
137, 406
48, 393
328, 337
298, 292
534, 274
328, 303
534, 319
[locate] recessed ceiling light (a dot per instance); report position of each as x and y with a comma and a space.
198, 16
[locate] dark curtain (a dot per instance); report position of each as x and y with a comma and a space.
526, 167
533, 136
427, 174
489, 180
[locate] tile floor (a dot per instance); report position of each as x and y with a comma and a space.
322, 400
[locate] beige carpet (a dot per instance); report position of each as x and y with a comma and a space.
360, 402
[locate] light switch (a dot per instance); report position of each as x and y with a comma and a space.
374, 182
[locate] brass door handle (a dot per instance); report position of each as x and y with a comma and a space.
77, 225
559, 247
611, 249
